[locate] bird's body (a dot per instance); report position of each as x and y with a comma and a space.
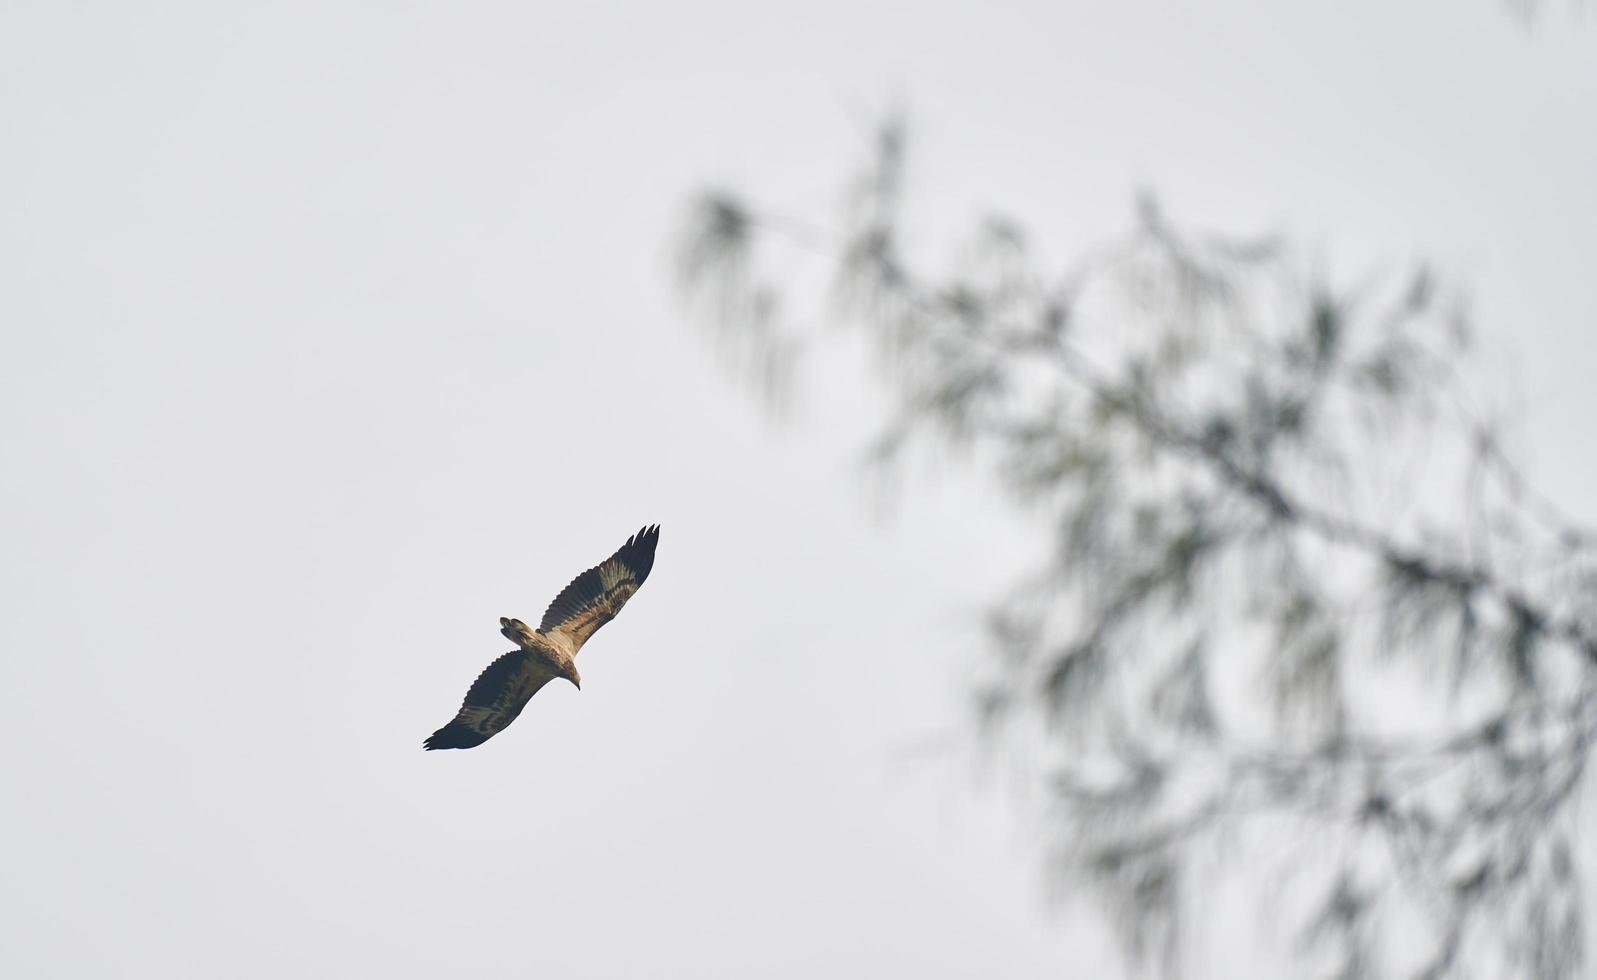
591, 600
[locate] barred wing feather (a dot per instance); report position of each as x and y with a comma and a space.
494, 701
594, 597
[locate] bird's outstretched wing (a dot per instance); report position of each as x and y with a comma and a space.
494, 701
594, 597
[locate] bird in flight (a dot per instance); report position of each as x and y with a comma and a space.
591, 600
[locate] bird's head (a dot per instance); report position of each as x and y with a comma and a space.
570, 674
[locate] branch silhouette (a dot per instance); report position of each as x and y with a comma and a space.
1248, 481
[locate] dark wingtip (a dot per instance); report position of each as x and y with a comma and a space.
638, 552
453, 736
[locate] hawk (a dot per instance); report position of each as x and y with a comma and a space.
591, 600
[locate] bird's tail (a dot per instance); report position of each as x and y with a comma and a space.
515, 631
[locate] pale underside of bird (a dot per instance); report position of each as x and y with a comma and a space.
591, 600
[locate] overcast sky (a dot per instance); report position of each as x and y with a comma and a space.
334, 331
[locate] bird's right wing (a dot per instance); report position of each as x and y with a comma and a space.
494, 701
594, 597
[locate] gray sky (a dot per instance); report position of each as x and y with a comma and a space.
335, 331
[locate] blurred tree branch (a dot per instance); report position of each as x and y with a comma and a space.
1295, 588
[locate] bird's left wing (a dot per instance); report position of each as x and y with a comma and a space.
594, 597
494, 701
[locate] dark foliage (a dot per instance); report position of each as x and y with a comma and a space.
1295, 589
